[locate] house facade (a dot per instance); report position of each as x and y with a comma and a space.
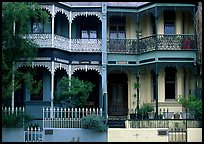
115, 45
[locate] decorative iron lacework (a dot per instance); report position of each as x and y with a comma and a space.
87, 13
63, 11
86, 45
43, 40
58, 65
46, 65
146, 44
48, 8
61, 42
86, 67
174, 8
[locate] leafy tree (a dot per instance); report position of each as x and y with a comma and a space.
74, 92
15, 17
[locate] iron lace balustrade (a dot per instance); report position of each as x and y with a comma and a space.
176, 42
146, 44
61, 42
128, 46
43, 40
86, 45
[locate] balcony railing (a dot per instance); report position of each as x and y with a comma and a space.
128, 46
146, 44
60, 42
43, 40
86, 45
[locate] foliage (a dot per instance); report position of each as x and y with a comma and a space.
94, 122
14, 121
136, 85
75, 92
193, 103
15, 17
144, 109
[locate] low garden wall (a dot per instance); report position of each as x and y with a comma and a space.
12, 134
138, 135
194, 134
73, 135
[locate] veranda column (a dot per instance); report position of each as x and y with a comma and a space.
180, 82
70, 30
53, 25
12, 103
156, 64
179, 22
149, 87
104, 58
161, 86
52, 87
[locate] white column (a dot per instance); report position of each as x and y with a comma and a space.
161, 86
180, 82
149, 87
70, 74
179, 22
53, 25
70, 30
52, 86
12, 103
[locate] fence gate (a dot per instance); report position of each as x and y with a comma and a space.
177, 135
33, 134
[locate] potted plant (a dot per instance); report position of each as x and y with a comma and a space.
146, 111
176, 125
160, 116
177, 115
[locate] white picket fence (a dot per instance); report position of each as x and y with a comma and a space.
66, 117
16, 110
33, 134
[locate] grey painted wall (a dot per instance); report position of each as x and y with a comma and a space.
46, 86
12, 134
68, 134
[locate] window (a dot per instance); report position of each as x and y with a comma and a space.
88, 34
38, 27
169, 22
117, 32
170, 75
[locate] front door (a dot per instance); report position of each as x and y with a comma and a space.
117, 95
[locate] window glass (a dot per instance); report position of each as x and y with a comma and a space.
37, 27
84, 34
93, 34
169, 28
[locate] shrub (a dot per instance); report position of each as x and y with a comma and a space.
193, 103
14, 121
94, 122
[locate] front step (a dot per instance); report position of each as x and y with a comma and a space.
116, 122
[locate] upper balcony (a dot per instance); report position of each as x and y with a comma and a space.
63, 43
147, 44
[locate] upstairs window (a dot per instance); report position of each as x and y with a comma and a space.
88, 34
117, 32
169, 22
117, 27
38, 27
